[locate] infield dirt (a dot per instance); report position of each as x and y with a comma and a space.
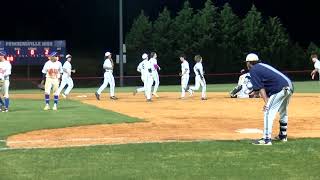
170, 119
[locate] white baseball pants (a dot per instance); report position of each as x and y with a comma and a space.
199, 82
148, 82
156, 79
5, 89
66, 80
277, 103
108, 79
184, 84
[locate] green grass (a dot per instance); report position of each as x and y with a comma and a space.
27, 115
296, 159
301, 87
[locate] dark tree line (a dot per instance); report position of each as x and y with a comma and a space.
219, 35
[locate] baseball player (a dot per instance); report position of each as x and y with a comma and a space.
185, 71
66, 77
244, 87
199, 79
5, 72
108, 77
155, 68
276, 90
142, 70
52, 71
315, 60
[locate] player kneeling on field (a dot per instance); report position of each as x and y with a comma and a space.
5, 72
52, 71
244, 87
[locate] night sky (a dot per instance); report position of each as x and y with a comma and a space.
93, 24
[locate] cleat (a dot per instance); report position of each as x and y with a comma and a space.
5, 110
181, 98
135, 92
263, 142
47, 107
204, 99
155, 94
113, 98
54, 107
282, 138
149, 100
64, 96
97, 96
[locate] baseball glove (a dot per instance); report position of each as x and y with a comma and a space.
41, 85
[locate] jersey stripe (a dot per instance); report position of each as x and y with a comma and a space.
279, 73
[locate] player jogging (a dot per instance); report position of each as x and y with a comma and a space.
155, 68
142, 69
315, 60
199, 79
185, 71
276, 90
52, 71
5, 72
108, 77
66, 77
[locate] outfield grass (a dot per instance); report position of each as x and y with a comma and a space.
301, 87
296, 159
27, 115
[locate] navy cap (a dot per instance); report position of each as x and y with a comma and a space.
53, 54
3, 53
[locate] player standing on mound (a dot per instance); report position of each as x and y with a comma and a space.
315, 60
276, 90
108, 77
142, 69
185, 71
5, 72
52, 71
199, 79
66, 77
155, 68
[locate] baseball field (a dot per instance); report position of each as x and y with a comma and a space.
166, 139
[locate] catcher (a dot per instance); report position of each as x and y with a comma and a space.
5, 72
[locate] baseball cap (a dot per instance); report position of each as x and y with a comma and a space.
144, 56
68, 56
107, 54
3, 53
53, 54
252, 57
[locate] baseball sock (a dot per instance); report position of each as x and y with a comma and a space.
47, 98
283, 130
1, 102
56, 99
6, 102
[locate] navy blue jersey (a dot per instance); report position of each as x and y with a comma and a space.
267, 77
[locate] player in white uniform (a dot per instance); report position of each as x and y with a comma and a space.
108, 77
155, 68
66, 77
142, 69
244, 87
185, 71
5, 72
148, 80
52, 71
199, 79
315, 60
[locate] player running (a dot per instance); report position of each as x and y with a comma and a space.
199, 79
155, 68
66, 77
5, 72
142, 69
185, 71
52, 71
276, 90
315, 60
108, 77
